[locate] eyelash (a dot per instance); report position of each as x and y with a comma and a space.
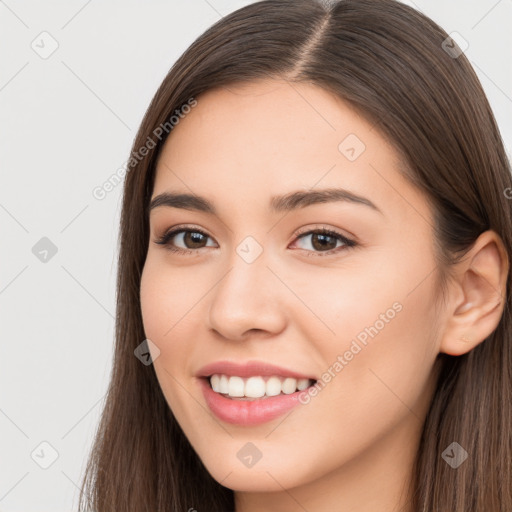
166, 237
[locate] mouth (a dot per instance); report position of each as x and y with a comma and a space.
253, 388
248, 411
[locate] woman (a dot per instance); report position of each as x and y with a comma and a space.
315, 243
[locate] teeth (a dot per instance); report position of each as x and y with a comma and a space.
257, 387
273, 386
236, 386
254, 387
223, 384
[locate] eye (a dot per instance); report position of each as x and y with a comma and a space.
323, 241
195, 237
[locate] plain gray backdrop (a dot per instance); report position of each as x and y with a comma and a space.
75, 80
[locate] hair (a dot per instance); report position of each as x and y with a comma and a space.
385, 60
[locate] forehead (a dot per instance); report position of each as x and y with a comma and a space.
271, 124
248, 142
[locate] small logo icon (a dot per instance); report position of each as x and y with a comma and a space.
44, 45
351, 147
455, 45
454, 455
249, 454
44, 455
249, 249
44, 250
147, 352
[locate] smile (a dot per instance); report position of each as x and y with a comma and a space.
246, 410
257, 386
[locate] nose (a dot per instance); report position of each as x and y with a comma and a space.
249, 297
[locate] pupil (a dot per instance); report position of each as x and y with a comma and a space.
322, 238
193, 237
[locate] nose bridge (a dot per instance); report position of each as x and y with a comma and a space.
244, 298
247, 273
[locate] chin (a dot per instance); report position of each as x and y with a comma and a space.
259, 478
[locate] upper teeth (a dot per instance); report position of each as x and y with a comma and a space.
256, 387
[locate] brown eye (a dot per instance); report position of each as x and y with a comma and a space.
194, 239
190, 238
325, 241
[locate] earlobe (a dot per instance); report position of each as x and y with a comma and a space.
478, 293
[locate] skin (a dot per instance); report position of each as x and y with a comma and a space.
351, 448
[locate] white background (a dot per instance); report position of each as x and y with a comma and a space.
67, 125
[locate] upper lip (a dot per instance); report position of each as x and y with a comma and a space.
249, 369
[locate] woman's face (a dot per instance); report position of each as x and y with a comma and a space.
353, 310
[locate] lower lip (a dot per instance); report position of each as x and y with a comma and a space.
248, 412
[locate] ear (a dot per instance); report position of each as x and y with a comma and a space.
477, 295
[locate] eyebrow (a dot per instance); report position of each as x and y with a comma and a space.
286, 203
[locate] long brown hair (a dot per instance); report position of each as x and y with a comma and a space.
393, 66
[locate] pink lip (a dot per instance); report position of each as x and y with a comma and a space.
247, 412
249, 369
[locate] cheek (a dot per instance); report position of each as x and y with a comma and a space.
169, 309
167, 298
373, 330
161, 310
